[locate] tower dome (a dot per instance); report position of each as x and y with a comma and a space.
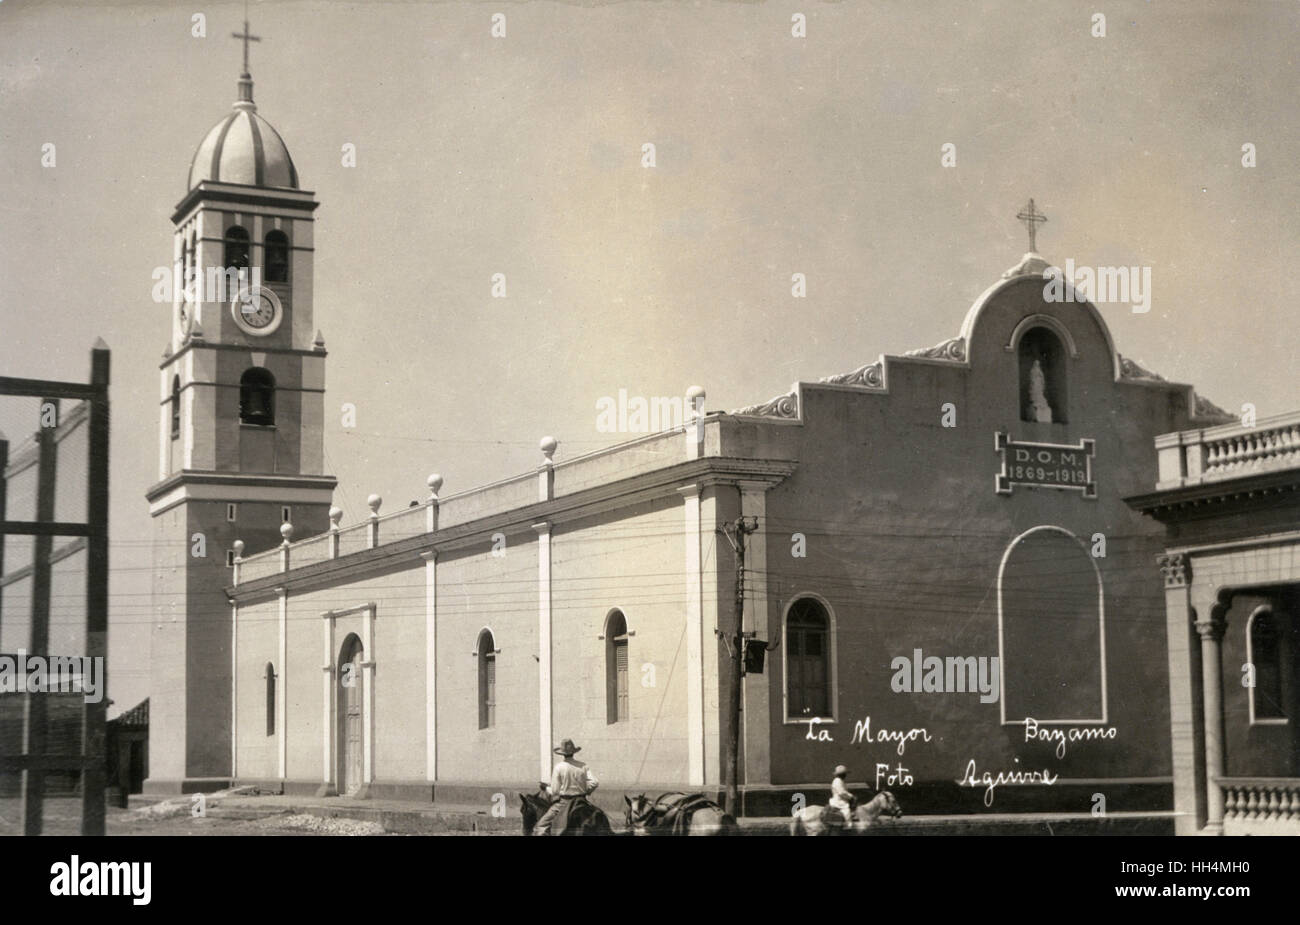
244, 148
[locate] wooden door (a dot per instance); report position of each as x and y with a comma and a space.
351, 720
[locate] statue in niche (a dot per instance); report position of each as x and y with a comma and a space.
1038, 394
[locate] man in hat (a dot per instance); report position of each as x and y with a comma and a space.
570, 781
842, 798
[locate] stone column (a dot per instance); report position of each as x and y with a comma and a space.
368, 701
430, 662
327, 724
694, 638
545, 719
545, 661
282, 685
756, 723
1187, 747
234, 695
1211, 632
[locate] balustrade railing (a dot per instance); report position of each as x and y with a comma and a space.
1256, 804
1191, 457
1253, 449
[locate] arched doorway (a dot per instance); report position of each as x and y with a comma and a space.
1051, 630
351, 721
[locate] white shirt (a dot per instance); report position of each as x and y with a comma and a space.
840, 794
572, 778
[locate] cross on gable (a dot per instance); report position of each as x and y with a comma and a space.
1032, 219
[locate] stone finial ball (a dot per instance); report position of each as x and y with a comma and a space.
434, 482
286, 531
336, 515
548, 445
695, 394
239, 548
374, 501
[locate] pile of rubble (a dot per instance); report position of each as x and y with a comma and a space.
318, 825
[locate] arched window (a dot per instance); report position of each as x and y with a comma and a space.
187, 257
176, 406
616, 692
1266, 643
236, 242
257, 396
1052, 660
487, 680
277, 257
191, 286
270, 699
807, 659
1042, 377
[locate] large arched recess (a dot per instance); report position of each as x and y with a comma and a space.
1051, 630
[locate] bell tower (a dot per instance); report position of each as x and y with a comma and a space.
241, 408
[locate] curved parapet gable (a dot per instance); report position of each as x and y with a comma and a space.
1034, 267
998, 321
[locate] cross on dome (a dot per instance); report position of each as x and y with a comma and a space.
247, 36
245, 100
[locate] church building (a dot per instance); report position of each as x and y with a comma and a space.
954, 597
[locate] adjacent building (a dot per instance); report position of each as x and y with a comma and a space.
1229, 498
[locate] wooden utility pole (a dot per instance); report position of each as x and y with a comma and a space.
94, 714
735, 533
36, 716
4, 489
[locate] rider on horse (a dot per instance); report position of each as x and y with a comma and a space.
842, 798
571, 781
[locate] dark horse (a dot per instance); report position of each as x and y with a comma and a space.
585, 818
678, 814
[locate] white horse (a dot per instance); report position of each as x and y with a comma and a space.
822, 820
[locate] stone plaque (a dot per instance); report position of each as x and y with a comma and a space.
1045, 465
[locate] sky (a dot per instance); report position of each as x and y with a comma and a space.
522, 155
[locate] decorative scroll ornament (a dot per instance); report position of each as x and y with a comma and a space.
1208, 409
1129, 369
1176, 569
783, 406
954, 348
869, 376
1204, 408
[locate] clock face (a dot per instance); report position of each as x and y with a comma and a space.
257, 312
